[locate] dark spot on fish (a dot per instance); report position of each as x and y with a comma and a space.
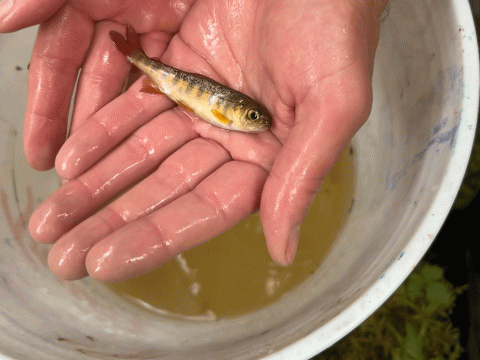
18, 68
28, 66
90, 338
220, 103
62, 339
189, 88
176, 78
351, 150
200, 90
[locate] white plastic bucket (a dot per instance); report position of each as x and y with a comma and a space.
410, 159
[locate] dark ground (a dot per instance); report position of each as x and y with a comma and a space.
462, 265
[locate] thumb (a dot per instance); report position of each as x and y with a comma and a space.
326, 120
20, 14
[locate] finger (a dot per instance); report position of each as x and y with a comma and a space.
261, 148
20, 14
104, 73
224, 198
325, 123
102, 77
127, 164
59, 50
178, 174
106, 129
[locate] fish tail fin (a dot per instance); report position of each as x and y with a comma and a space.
128, 46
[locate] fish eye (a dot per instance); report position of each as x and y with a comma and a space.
253, 114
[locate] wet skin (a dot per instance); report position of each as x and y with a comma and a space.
310, 64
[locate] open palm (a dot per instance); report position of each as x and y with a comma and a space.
309, 62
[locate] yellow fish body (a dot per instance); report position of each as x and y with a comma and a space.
210, 100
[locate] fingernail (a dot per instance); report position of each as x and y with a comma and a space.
5, 7
292, 244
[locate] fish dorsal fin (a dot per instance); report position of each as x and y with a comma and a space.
149, 87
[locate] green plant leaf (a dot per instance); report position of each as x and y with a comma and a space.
431, 273
412, 349
413, 324
414, 287
438, 293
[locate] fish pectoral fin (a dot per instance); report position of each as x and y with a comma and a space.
149, 87
221, 118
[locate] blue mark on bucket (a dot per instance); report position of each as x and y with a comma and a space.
9, 242
452, 80
438, 138
386, 267
447, 136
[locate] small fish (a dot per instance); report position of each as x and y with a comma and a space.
210, 100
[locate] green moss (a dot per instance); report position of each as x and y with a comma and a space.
414, 324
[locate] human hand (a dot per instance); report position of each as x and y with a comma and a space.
68, 38
311, 64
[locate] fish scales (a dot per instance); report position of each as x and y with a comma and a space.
210, 100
